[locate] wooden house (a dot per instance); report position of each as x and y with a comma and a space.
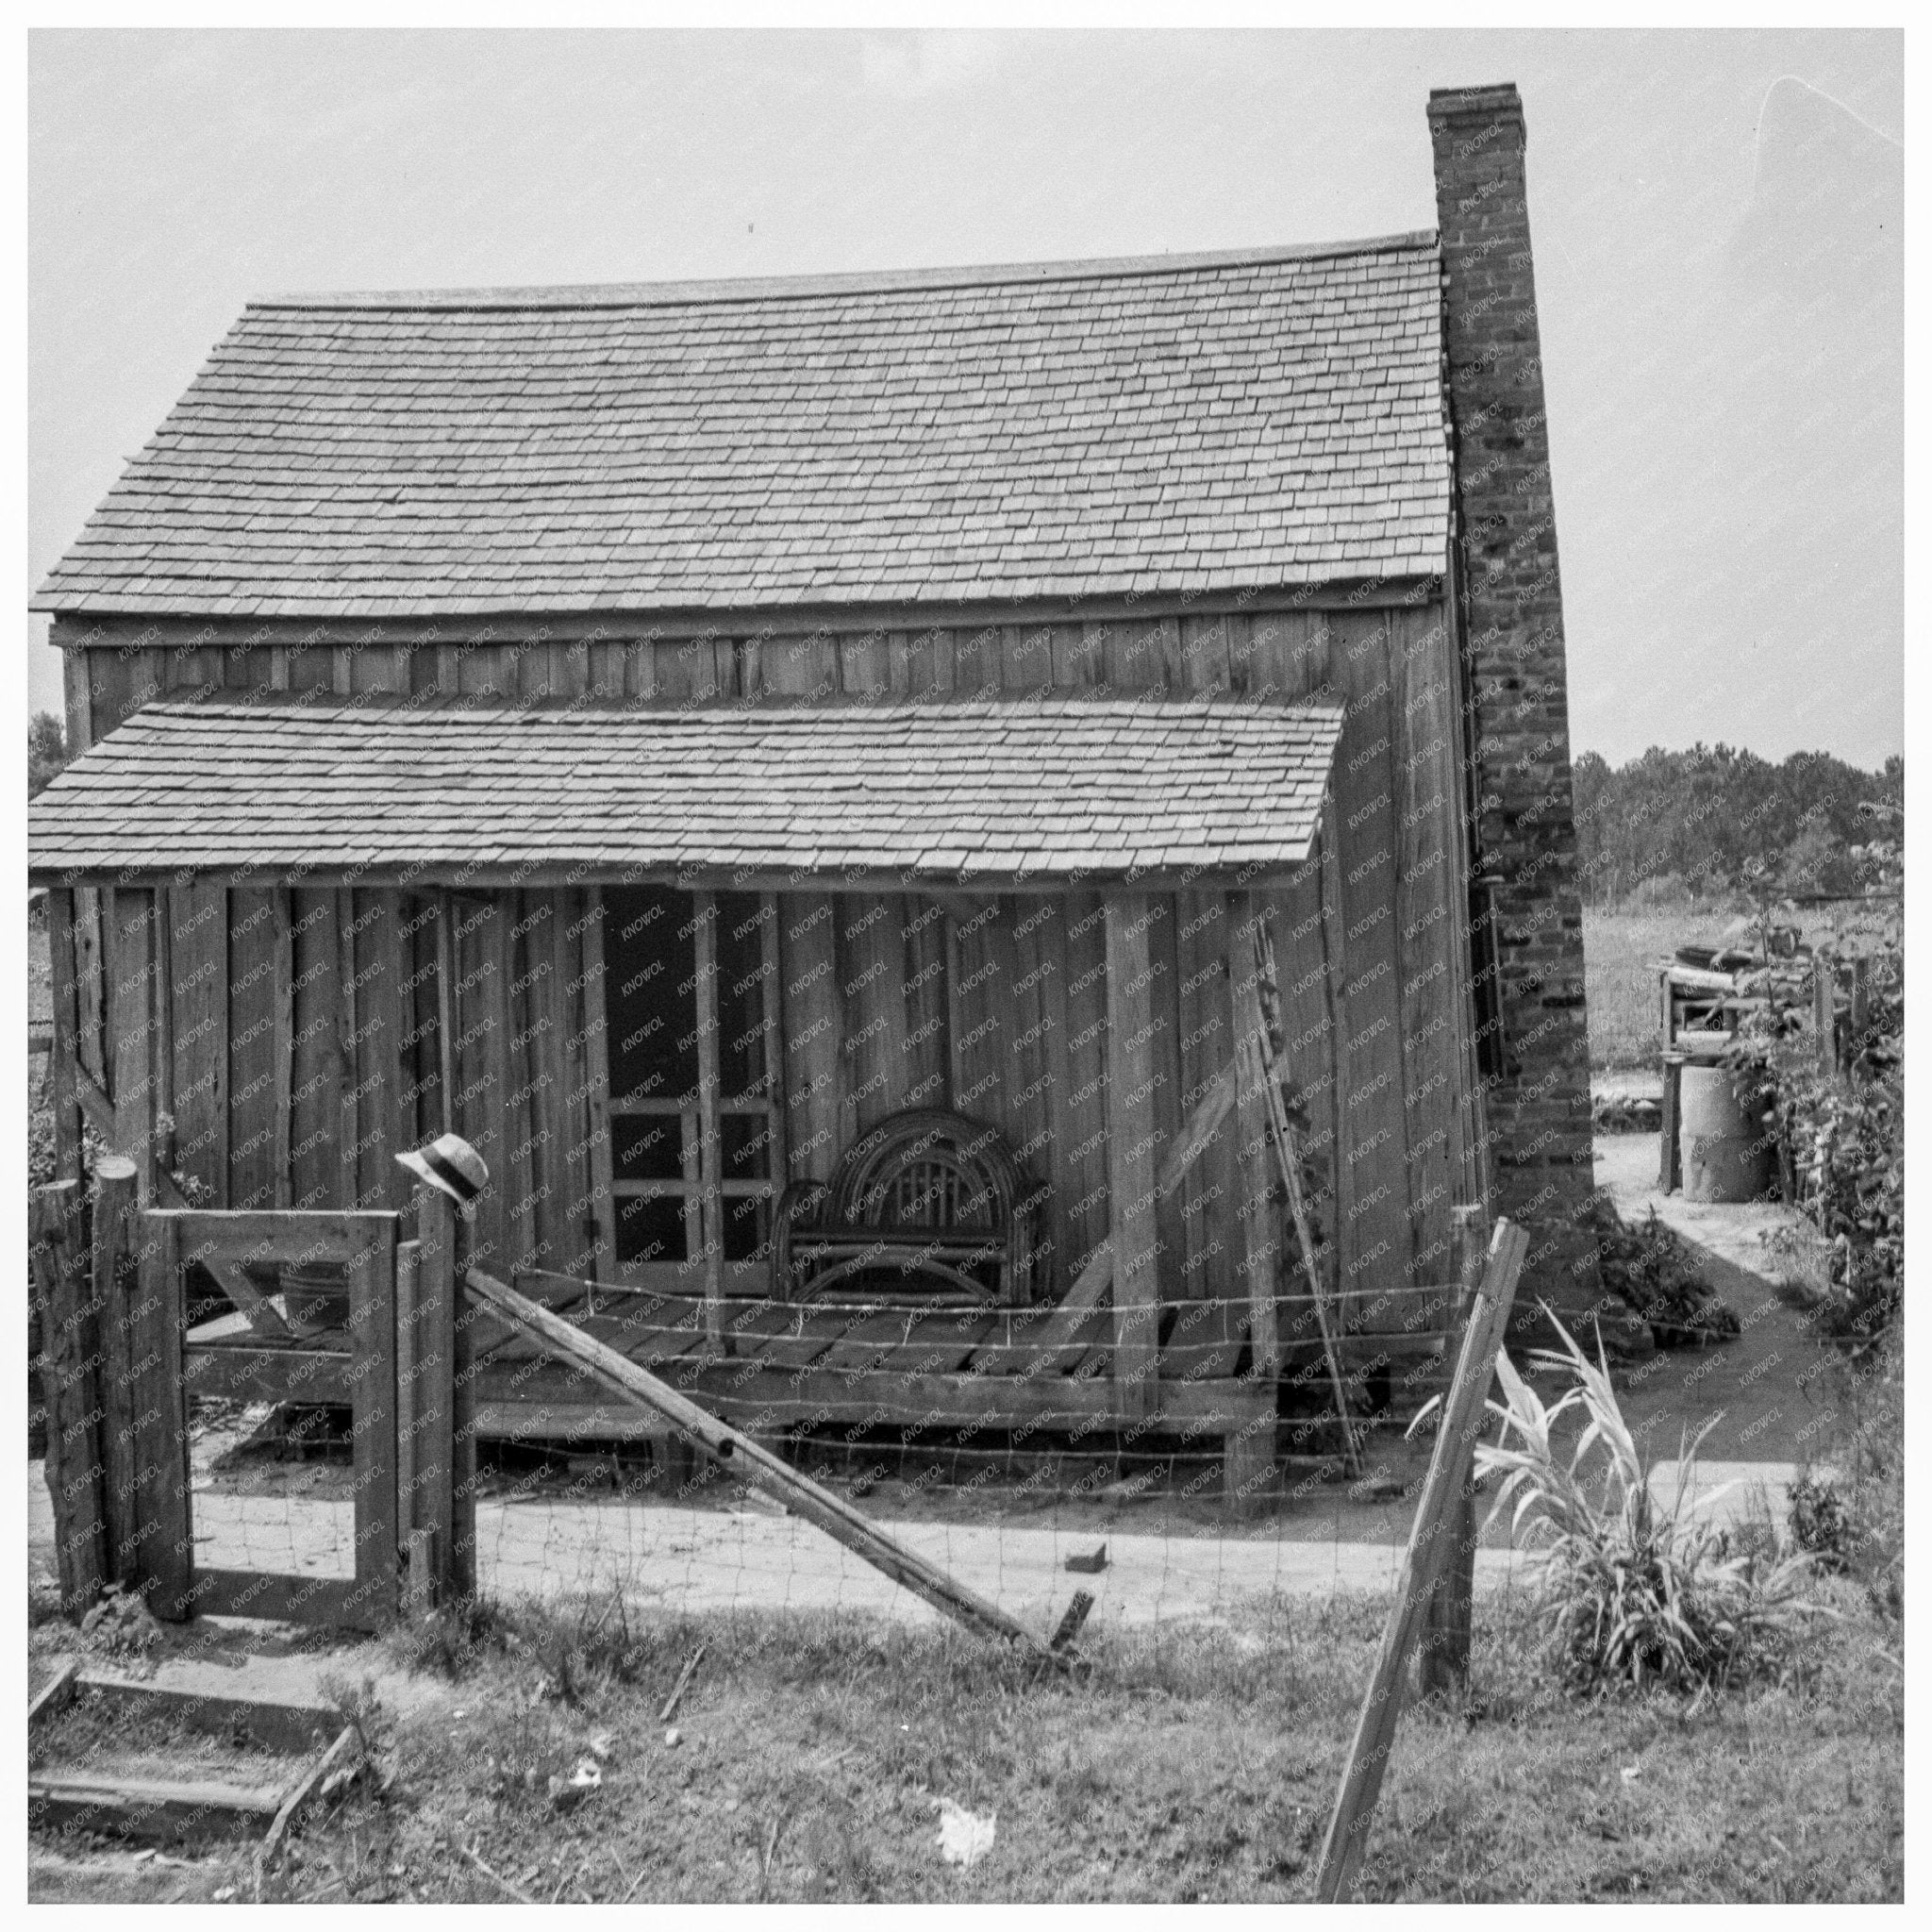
665, 734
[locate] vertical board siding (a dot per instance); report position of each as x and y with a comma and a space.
377, 1053
567, 1058
967, 1000
198, 989
479, 1062
814, 1032
603, 1233
1428, 891
1038, 998
1204, 1035
1133, 1029
131, 1017
872, 986
316, 1060
254, 994
1080, 1178
96, 1053
1379, 1240
928, 1050
523, 1167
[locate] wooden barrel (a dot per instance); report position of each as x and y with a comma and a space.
1723, 1151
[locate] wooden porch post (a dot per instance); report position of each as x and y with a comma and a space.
1131, 1156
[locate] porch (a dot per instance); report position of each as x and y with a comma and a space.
657, 964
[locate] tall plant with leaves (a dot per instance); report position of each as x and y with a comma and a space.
1631, 1590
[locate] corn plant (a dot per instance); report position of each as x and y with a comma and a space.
1630, 1589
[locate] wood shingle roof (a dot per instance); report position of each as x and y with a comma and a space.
1075, 430
1055, 789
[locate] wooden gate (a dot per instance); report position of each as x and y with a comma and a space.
355, 1364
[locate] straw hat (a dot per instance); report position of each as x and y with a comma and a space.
450, 1162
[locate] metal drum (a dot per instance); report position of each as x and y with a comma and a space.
315, 1296
1724, 1155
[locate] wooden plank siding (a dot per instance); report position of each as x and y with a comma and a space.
300, 1022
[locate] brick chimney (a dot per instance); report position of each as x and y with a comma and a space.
1525, 911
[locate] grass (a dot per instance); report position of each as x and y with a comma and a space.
1622, 952
1192, 1764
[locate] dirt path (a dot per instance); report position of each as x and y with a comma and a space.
1773, 1387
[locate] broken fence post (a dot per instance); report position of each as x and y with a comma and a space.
1442, 1665
71, 1391
1463, 1417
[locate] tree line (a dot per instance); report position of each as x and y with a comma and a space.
1720, 820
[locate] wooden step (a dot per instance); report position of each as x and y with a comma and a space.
149, 1808
200, 1700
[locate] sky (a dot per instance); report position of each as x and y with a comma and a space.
1716, 218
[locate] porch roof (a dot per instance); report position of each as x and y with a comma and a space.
1053, 789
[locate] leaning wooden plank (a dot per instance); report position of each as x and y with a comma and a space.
1074, 1307
1428, 1544
300, 1792
1191, 1141
229, 1275
759, 1467
1264, 1014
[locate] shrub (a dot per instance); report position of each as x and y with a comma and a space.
1651, 1270
1842, 1143
1630, 1591
1819, 1521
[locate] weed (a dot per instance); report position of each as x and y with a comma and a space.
1632, 1590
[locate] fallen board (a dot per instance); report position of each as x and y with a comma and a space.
149, 1808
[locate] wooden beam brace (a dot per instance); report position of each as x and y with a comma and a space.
756, 1465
